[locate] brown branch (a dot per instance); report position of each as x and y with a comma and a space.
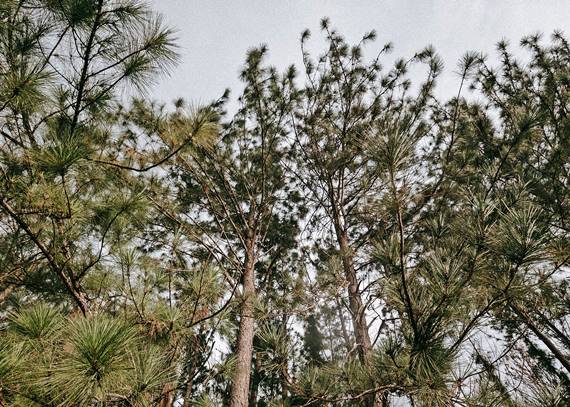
78, 296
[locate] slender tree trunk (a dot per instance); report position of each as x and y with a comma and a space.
284, 386
563, 337
240, 385
355, 300
355, 303
285, 370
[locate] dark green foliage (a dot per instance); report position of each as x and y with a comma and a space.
313, 340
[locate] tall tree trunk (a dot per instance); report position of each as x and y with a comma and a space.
355, 300
355, 303
240, 385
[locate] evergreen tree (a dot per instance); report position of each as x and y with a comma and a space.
62, 65
236, 204
348, 240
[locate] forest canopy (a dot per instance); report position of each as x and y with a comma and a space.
344, 237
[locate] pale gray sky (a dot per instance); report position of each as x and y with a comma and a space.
214, 35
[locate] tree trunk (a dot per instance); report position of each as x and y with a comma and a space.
355, 300
255, 385
240, 385
355, 304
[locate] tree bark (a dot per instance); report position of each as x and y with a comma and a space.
355, 303
240, 385
188, 393
355, 300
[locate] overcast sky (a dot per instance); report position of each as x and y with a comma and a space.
214, 35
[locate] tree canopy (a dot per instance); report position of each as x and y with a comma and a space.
343, 238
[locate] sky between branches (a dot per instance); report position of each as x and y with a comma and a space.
214, 35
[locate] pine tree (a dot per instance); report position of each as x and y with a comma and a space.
62, 66
235, 199
73, 206
351, 240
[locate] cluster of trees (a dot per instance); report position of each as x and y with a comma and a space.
343, 238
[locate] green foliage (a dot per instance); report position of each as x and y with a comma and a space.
351, 237
39, 322
78, 360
